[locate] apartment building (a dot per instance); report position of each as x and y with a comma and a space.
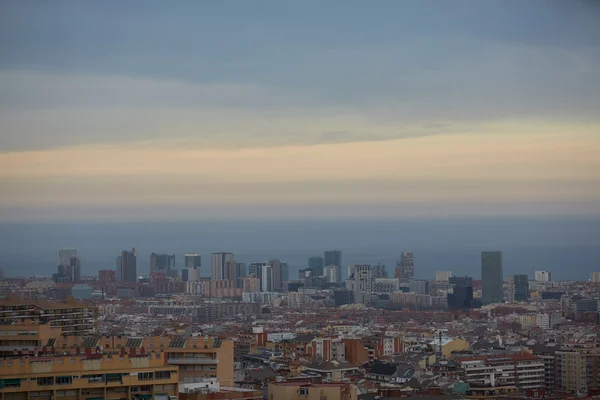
577, 369
312, 391
72, 317
92, 376
523, 371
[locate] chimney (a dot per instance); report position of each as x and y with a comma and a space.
122, 352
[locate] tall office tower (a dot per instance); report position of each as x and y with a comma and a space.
492, 277
74, 270
360, 281
276, 268
165, 263
331, 273
127, 266
460, 295
241, 274
285, 274
230, 272
334, 257
405, 268
518, 288
443, 276
595, 277
65, 255
193, 260
253, 269
543, 276
316, 264
265, 275
218, 264
1, 274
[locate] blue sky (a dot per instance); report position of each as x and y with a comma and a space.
469, 94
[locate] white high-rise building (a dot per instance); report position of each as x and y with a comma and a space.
443, 276
543, 276
595, 277
331, 273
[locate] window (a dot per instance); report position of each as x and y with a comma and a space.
145, 376
95, 378
163, 374
11, 383
45, 381
64, 380
303, 391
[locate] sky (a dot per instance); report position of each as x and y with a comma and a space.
234, 109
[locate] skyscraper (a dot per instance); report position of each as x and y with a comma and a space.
127, 266
276, 268
316, 264
334, 257
543, 276
360, 281
241, 274
265, 272
69, 267
230, 272
405, 267
460, 295
64, 256
218, 264
492, 277
165, 263
518, 288
193, 260
285, 274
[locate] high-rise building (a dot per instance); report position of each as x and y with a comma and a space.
518, 288
334, 257
266, 277
443, 276
127, 266
193, 260
360, 281
543, 276
65, 255
191, 271
285, 274
316, 264
164, 263
405, 267
241, 274
492, 277
1, 274
460, 295
276, 270
74, 270
331, 273
218, 264
595, 277
230, 271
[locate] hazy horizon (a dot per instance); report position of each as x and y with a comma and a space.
568, 247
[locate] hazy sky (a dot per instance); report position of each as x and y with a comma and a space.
297, 109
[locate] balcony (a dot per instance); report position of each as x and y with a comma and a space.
194, 360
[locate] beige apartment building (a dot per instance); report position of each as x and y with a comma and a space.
312, 391
89, 377
577, 369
